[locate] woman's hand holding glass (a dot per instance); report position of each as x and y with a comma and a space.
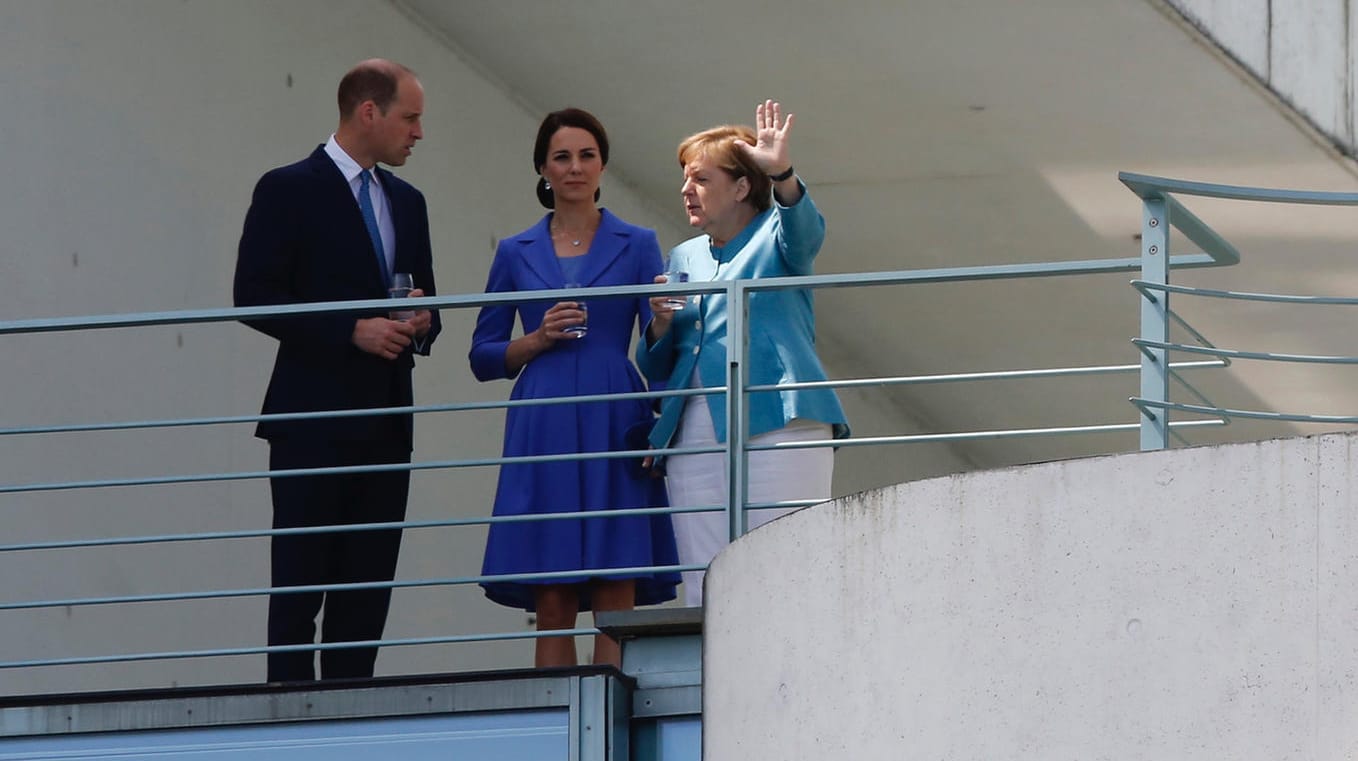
561, 319
675, 273
663, 308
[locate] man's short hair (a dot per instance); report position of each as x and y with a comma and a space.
375, 80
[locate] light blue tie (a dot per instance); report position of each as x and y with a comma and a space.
365, 207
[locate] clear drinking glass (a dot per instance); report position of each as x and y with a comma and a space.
578, 330
675, 273
402, 283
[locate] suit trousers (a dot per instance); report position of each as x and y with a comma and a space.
333, 557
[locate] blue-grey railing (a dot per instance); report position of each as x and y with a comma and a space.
1161, 212
737, 389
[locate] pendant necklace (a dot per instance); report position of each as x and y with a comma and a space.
574, 241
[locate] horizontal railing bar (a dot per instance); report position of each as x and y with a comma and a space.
924, 438
585, 399
262, 649
350, 527
897, 277
1146, 410
365, 412
784, 504
590, 398
341, 469
483, 462
900, 278
904, 380
346, 587
1248, 414
969, 274
275, 311
1150, 187
1145, 343
916, 438
1144, 285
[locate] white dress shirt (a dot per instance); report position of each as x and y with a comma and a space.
381, 206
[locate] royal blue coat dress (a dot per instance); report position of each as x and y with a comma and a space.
621, 254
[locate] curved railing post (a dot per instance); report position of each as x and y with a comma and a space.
1155, 321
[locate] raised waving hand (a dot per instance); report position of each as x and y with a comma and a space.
771, 130
771, 149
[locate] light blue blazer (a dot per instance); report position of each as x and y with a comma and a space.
783, 240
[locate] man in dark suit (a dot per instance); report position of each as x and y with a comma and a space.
333, 227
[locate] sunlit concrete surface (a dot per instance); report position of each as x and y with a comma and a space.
1196, 604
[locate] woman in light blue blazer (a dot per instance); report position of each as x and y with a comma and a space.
758, 221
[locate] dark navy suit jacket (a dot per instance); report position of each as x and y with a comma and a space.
305, 241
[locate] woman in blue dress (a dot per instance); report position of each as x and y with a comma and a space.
583, 245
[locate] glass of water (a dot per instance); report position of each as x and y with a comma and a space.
402, 283
580, 330
675, 273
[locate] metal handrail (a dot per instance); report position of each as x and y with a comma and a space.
910, 380
237, 314
364, 412
1152, 187
1161, 210
1012, 433
736, 447
343, 587
1250, 414
263, 649
345, 469
346, 527
1238, 354
1144, 287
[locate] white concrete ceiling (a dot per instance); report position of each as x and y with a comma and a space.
937, 134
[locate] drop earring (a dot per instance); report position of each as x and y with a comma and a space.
545, 184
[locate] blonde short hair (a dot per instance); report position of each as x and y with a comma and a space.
718, 145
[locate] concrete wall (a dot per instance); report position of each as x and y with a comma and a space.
133, 135
1303, 51
1190, 604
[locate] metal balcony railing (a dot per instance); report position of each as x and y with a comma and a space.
1162, 211
1153, 403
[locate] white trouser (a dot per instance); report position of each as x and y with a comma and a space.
696, 480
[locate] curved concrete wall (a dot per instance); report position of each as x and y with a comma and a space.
1189, 604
